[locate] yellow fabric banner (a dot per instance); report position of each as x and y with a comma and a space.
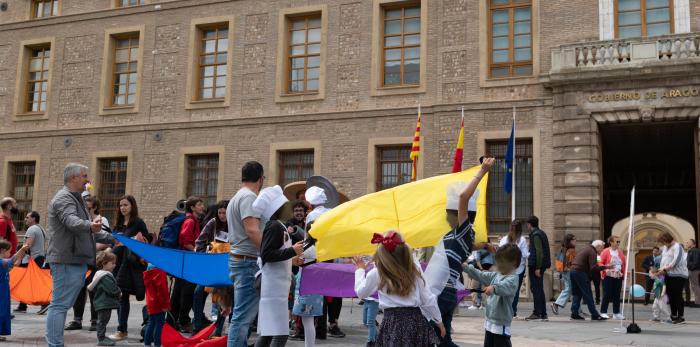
416, 209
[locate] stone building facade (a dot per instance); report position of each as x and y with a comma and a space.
581, 77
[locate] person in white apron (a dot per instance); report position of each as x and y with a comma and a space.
276, 255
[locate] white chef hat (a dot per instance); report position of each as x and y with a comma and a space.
269, 201
453, 191
316, 196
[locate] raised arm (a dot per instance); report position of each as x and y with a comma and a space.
467, 193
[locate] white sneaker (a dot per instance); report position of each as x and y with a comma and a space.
605, 315
618, 316
472, 308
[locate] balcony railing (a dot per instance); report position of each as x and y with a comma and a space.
626, 52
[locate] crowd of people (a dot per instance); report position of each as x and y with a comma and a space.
268, 241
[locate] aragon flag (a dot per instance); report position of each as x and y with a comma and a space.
459, 153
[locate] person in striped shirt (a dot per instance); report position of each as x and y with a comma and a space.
458, 244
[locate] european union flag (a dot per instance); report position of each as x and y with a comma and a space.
510, 157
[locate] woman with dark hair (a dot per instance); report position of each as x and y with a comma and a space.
215, 230
612, 277
515, 236
130, 267
674, 266
568, 250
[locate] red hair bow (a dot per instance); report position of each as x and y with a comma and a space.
389, 242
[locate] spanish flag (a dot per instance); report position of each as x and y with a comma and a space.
415, 149
459, 153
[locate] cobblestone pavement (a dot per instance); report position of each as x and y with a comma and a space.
28, 330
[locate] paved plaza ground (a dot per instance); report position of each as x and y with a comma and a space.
28, 330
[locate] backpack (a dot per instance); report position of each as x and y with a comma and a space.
170, 230
559, 261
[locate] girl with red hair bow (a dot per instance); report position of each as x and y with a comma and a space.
402, 294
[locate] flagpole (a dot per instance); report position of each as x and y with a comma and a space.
512, 196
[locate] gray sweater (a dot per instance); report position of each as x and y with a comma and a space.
70, 237
499, 305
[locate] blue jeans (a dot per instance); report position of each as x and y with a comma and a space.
245, 298
566, 292
67, 280
369, 319
154, 329
521, 277
581, 289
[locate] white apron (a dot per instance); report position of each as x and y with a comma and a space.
274, 292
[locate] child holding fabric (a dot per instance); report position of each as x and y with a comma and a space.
403, 293
6, 264
501, 287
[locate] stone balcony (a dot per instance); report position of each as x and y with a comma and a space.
619, 57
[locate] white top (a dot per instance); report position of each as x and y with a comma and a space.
496, 329
673, 259
524, 252
420, 297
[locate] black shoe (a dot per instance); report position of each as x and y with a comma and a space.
577, 317
544, 318
370, 344
186, 328
597, 301
93, 326
43, 310
334, 331
21, 308
533, 317
206, 322
296, 337
679, 320
599, 318
74, 325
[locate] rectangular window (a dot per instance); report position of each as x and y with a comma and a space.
643, 18
510, 38
128, 3
401, 45
203, 177
295, 166
44, 8
498, 202
38, 79
125, 70
213, 59
22, 190
304, 54
394, 166
112, 185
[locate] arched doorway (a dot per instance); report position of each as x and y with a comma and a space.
647, 227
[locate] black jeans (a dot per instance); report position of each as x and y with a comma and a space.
79, 305
595, 277
611, 293
537, 289
181, 301
123, 313
521, 277
581, 289
334, 308
649, 286
447, 302
674, 289
103, 317
493, 340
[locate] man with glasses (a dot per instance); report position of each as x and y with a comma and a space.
71, 248
245, 237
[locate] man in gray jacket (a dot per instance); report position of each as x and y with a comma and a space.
71, 248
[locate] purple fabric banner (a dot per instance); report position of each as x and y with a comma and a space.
337, 280
328, 279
